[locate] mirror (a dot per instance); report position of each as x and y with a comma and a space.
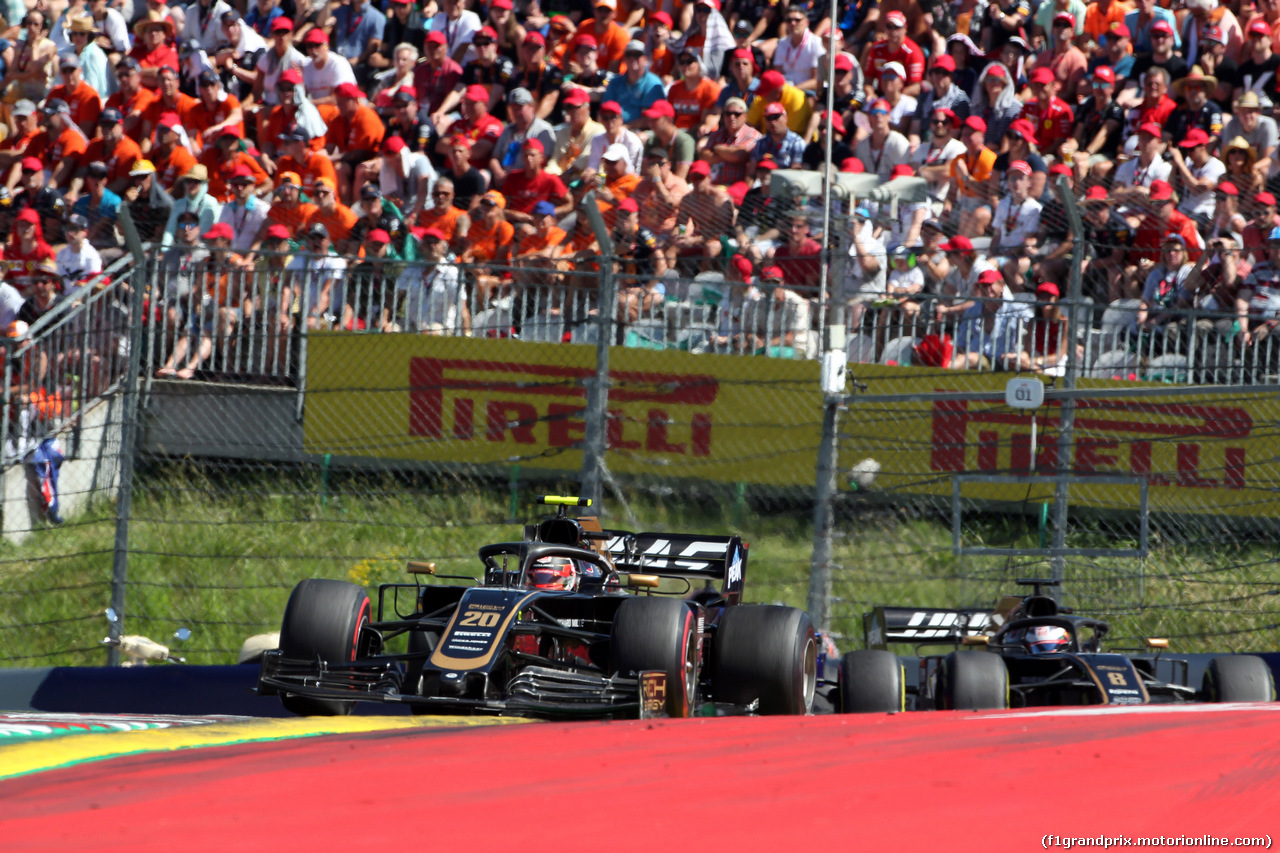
182, 635
112, 616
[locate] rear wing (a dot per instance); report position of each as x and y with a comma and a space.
685, 555
885, 625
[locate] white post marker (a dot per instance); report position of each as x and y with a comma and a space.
1026, 394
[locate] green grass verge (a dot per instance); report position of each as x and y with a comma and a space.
219, 554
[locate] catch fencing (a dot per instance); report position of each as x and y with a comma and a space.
279, 422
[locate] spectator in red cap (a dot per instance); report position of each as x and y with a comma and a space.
1163, 219
542, 78
615, 133
1016, 221
997, 103
1101, 15
354, 139
435, 79
245, 214
972, 194
488, 68
279, 57
1162, 55
1108, 236
170, 155
573, 138
815, 152
730, 147
1067, 62
779, 141
584, 67
525, 187
1117, 50
1199, 172
1049, 114
1044, 25
324, 71
25, 249
665, 134
435, 300
1021, 145
943, 95
1227, 217
403, 176
371, 286
1143, 18
286, 115
657, 38
895, 47
1134, 177
933, 161
739, 73
475, 124
524, 126
774, 89
222, 158
1096, 135
1261, 210
706, 213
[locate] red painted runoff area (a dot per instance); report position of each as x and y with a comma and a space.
923, 781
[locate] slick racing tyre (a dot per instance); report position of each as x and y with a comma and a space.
1238, 678
872, 681
972, 681
324, 620
659, 634
768, 653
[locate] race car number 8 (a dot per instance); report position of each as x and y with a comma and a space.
1117, 679
479, 619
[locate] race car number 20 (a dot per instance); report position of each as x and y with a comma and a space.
479, 619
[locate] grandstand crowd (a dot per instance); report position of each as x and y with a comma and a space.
401, 165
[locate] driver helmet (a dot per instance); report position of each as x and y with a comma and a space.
554, 573
1045, 639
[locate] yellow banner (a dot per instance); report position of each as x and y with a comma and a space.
502, 402
1204, 453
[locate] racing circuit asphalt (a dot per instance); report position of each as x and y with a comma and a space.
918, 781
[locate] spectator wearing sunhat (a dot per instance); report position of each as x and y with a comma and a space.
192, 196
895, 47
774, 89
153, 46
1258, 132
112, 147
1196, 110
94, 67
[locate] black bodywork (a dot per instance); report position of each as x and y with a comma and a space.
495, 645
1082, 674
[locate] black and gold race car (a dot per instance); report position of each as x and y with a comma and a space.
1028, 652
572, 621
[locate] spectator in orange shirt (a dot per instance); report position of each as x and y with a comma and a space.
79, 96
14, 147
559, 33
170, 155
443, 216
287, 209
116, 150
132, 98
170, 101
546, 240
215, 110
610, 37
222, 159
619, 182
335, 216
153, 48
489, 242
657, 35
66, 144
354, 137
284, 116
693, 96
300, 159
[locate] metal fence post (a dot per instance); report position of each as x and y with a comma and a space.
819, 600
128, 444
1067, 410
596, 434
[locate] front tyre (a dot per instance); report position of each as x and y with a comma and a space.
972, 681
324, 620
1238, 678
872, 681
659, 634
768, 653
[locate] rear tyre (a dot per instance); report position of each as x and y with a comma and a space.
972, 681
323, 620
872, 681
1238, 678
768, 653
659, 634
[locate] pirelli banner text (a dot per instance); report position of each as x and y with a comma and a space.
1204, 454
482, 402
